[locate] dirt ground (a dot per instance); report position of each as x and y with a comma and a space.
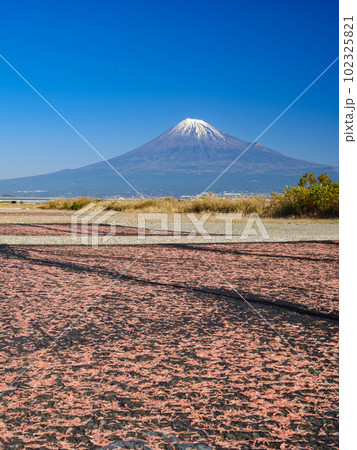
229, 346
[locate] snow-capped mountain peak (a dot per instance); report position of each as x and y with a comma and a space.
182, 160
196, 129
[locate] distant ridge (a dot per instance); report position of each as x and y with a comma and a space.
183, 160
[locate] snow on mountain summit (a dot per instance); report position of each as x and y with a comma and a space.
182, 160
196, 129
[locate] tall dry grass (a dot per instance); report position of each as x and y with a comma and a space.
69, 203
312, 198
211, 203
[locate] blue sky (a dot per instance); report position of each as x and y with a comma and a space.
123, 72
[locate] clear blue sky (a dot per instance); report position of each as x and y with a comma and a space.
123, 72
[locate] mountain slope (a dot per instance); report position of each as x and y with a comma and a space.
183, 160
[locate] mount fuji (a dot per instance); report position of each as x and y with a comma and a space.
183, 160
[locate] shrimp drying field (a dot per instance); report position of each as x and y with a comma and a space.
217, 346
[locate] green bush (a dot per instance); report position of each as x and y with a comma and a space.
312, 197
76, 206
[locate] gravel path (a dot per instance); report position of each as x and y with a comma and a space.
60, 234
152, 240
54, 228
